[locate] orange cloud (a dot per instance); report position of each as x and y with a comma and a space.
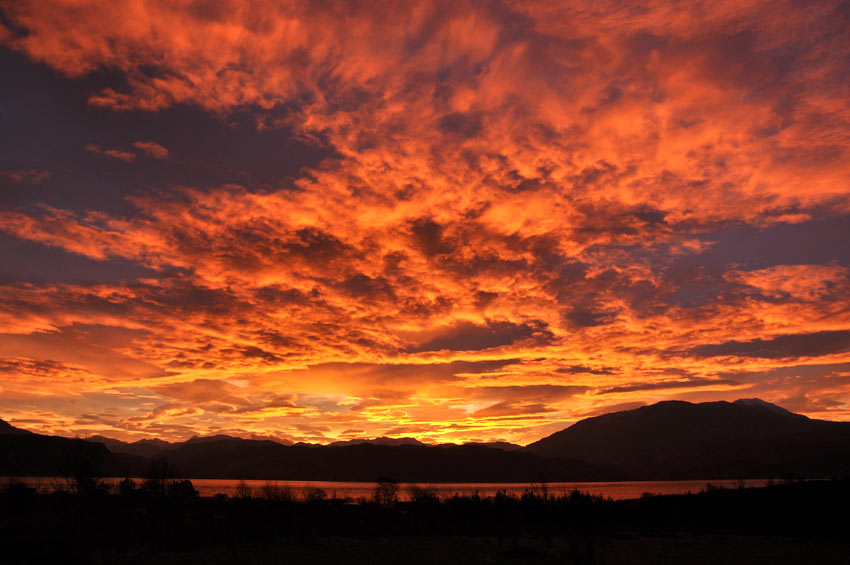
516, 226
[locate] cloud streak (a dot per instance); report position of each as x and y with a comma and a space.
114, 153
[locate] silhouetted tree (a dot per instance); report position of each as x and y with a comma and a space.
386, 492
183, 488
83, 464
244, 491
276, 493
160, 476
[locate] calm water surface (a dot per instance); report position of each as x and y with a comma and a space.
355, 490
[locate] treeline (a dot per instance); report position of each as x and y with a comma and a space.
168, 515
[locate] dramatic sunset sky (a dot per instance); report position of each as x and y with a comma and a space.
446, 220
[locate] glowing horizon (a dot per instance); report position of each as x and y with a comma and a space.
447, 221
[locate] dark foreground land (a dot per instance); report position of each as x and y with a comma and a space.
799, 522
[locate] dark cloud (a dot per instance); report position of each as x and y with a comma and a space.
429, 237
467, 336
463, 125
365, 287
695, 382
589, 316
316, 245
202, 390
529, 393
508, 409
579, 369
608, 223
35, 367
253, 352
186, 295
389, 374
478, 262
277, 296
277, 339
795, 345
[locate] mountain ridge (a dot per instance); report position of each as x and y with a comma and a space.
8, 429
677, 439
669, 440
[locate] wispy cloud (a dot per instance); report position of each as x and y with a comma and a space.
114, 153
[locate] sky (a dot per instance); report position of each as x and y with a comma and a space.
454, 221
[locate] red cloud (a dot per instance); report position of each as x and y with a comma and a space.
34, 176
114, 153
152, 149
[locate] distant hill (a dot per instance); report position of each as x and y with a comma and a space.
250, 459
142, 447
408, 459
29, 454
503, 445
151, 447
8, 429
379, 441
747, 438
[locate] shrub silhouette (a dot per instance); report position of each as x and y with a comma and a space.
422, 494
127, 486
277, 493
314, 494
538, 490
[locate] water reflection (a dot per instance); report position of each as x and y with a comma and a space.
356, 490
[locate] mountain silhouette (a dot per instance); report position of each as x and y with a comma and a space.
367, 461
503, 445
142, 447
24, 453
8, 429
670, 440
747, 438
379, 441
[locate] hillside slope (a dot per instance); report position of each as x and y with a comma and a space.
681, 440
